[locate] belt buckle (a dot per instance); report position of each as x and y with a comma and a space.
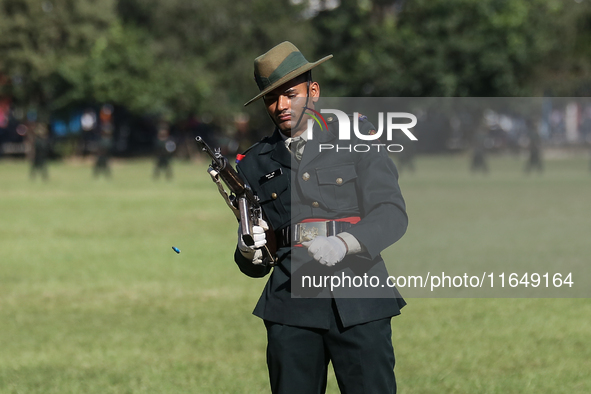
310, 230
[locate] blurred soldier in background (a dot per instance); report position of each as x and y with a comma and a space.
165, 147
105, 147
243, 132
586, 130
479, 150
406, 158
40, 152
534, 161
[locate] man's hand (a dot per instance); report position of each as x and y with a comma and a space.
254, 252
327, 251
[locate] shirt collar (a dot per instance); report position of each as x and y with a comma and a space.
287, 139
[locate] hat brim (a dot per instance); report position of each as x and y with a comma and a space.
288, 77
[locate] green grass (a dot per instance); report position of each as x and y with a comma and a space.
504, 222
94, 300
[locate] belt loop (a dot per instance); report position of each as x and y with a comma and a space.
332, 228
295, 233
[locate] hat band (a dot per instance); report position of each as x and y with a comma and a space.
292, 62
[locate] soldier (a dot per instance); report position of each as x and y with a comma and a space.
103, 154
479, 153
165, 146
407, 157
40, 152
534, 160
332, 214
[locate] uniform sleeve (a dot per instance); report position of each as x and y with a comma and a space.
248, 268
383, 211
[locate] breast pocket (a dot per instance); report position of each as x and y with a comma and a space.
274, 196
337, 186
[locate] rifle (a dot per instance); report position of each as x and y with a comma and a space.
241, 200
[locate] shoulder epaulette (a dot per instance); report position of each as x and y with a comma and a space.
365, 126
361, 117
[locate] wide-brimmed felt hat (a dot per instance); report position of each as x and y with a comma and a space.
281, 64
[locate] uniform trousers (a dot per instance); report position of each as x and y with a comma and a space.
362, 357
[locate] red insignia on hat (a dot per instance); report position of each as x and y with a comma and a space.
372, 132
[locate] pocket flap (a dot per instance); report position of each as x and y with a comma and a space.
336, 175
274, 187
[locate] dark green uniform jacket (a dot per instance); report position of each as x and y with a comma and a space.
328, 185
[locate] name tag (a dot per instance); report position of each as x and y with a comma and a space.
269, 176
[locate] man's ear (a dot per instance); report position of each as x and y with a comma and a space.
314, 91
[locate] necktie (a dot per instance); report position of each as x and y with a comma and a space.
296, 146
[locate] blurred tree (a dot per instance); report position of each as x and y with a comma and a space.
176, 57
44, 46
567, 71
126, 67
171, 58
215, 42
439, 47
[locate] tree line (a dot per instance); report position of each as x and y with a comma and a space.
175, 58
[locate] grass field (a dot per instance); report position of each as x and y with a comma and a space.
94, 300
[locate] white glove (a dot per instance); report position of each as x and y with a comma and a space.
254, 252
327, 251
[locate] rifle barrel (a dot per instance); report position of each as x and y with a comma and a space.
216, 157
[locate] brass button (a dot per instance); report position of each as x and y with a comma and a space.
339, 181
306, 176
315, 204
329, 119
274, 196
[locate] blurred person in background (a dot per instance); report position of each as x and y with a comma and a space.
105, 146
479, 163
534, 161
243, 131
165, 147
406, 158
586, 130
40, 152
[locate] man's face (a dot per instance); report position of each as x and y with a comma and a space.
279, 105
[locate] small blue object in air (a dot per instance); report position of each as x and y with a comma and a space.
176, 249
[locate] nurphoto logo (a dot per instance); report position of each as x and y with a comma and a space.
315, 115
392, 124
